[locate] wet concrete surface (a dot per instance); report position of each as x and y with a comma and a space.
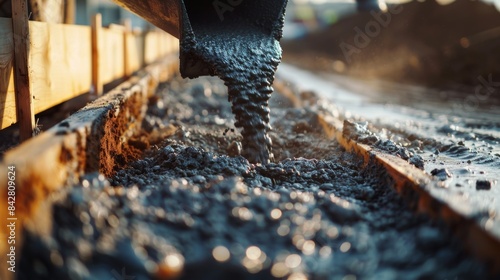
188, 209
243, 51
437, 126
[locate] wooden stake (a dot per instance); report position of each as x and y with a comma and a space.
143, 41
24, 98
96, 52
127, 23
69, 11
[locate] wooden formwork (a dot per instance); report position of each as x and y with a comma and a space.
64, 61
417, 187
45, 164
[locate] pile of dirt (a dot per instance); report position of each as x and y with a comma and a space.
416, 42
188, 209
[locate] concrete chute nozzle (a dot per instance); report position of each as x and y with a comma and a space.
184, 18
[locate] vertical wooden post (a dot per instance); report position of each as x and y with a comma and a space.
69, 11
24, 99
167, 44
127, 23
158, 44
144, 46
163, 49
96, 53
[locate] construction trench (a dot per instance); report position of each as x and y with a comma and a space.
180, 201
150, 182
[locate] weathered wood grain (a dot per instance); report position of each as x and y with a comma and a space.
7, 94
60, 59
24, 98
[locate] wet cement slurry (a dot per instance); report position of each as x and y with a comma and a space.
456, 143
245, 56
189, 209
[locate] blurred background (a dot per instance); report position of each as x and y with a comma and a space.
433, 42
438, 43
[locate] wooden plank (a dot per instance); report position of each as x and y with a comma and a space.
69, 11
164, 14
127, 24
60, 61
97, 83
416, 187
172, 44
24, 99
60, 67
111, 64
134, 52
161, 49
166, 44
64, 65
7, 93
151, 47
163, 44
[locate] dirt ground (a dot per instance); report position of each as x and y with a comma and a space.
421, 43
193, 208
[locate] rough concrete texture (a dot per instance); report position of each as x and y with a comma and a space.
242, 48
435, 126
188, 209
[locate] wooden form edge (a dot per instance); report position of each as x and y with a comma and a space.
414, 186
46, 164
96, 42
24, 98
